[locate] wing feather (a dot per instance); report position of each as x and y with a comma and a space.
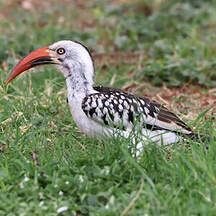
121, 109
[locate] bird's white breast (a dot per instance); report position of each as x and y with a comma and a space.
85, 124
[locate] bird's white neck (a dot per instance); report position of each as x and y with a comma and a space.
79, 79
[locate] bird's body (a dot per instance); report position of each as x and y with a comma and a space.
128, 113
112, 112
102, 111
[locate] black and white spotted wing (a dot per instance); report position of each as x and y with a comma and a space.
114, 107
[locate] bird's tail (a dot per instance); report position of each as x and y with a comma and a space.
199, 138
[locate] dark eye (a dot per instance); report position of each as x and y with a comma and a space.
60, 51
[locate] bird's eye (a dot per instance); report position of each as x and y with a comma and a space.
61, 51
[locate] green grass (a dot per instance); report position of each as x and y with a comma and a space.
46, 163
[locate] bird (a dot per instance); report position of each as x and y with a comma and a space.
100, 111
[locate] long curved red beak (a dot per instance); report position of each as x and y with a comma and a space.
38, 57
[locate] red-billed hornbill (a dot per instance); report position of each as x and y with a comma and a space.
103, 111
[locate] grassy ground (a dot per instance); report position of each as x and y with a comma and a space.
164, 50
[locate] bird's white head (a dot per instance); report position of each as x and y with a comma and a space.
72, 58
